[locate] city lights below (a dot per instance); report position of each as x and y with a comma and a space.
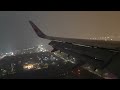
29, 66
6, 54
2, 56
39, 48
66, 59
10, 54
41, 45
35, 59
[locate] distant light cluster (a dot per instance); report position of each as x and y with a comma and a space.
106, 38
41, 49
101, 38
38, 62
6, 54
29, 66
66, 58
35, 49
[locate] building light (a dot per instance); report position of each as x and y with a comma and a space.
28, 67
41, 45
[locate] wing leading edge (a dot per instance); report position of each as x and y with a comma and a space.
86, 42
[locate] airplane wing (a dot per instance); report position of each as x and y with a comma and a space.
99, 52
96, 43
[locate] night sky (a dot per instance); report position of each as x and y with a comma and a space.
16, 32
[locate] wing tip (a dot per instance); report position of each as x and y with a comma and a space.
37, 30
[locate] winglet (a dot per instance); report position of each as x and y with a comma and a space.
37, 30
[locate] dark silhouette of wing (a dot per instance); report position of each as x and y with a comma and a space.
86, 42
